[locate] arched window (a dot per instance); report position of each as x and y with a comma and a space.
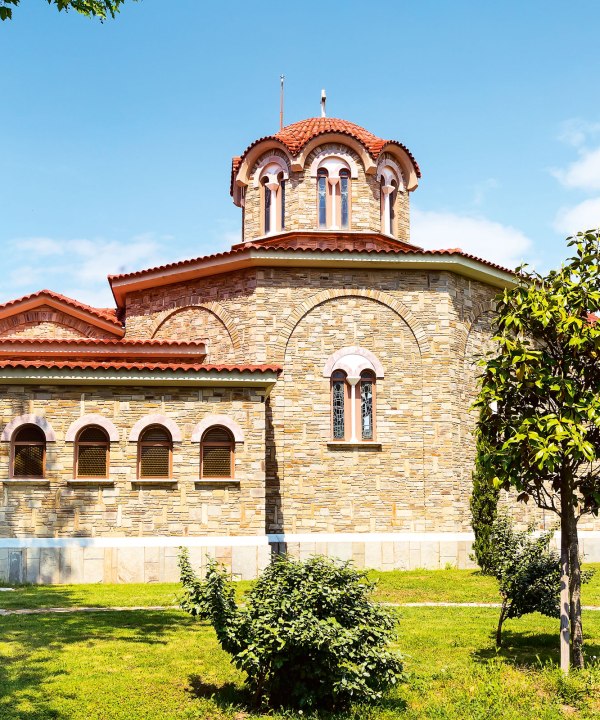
339, 391
92, 453
333, 194
391, 183
29, 452
353, 372
272, 188
217, 453
367, 404
155, 450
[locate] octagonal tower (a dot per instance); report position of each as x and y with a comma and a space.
324, 175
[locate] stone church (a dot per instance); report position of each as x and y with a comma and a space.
306, 391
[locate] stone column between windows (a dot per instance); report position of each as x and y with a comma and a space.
387, 191
272, 186
333, 181
353, 382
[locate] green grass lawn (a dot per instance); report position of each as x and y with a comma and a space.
401, 587
163, 665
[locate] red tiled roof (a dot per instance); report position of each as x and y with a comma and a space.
117, 342
112, 365
280, 244
106, 314
297, 135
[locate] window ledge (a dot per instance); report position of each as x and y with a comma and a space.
354, 443
90, 481
26, 481
215, 481
154, 481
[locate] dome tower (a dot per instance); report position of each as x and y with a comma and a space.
324, 175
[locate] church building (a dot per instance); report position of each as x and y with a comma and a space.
306, 391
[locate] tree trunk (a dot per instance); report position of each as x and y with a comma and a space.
575, 593
565, 660
500, 622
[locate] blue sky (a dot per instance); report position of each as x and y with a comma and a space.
117, 138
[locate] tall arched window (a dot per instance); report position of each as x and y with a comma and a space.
367, 404
391, 183
333, 194
217, 453
339, 391
92, 453
29, 452
272, 179
155, 450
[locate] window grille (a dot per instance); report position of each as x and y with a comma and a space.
29, 452
216, 451
92, 453
155, 448
338, 400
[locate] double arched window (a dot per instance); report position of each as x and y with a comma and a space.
217, 453
333, 194
155, 453
92, 451
353, 374
29, 453
353, 406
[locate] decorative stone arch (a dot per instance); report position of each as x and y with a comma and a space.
412, 322
339, 139
387, 161
409, 171
92, 419
479, 309
16, 323
340, 153
265, 162
212, 307
155, 419
244, 172
222, 420
29, 419
359, 359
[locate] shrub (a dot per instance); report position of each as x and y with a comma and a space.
308, 636
527, 570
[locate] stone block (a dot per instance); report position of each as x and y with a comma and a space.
93, 569
130, 565
373, 555
49, 566
244, 562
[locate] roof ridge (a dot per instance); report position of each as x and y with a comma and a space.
106, 314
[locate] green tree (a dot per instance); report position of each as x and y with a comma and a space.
308, 636
484, 510
92, 8
539, 402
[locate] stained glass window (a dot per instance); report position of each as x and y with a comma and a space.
344, 188
322, 197
29, 452
338, 398
366, 406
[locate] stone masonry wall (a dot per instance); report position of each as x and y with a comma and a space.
128, 508
49, 324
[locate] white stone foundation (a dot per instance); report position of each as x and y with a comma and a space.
154, 559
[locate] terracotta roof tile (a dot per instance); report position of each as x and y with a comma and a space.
117, 365
106, 314
297, 135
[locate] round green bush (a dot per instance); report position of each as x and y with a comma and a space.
308, 635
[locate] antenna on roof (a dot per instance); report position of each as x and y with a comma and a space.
323, 102
281, 78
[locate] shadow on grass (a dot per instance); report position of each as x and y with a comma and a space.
229, 695
529, 649
26, 675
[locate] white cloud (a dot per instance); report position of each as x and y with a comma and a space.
502, 244
78, 268
576, 131
585, 215
584, 173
